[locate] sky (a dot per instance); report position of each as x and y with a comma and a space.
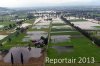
40, 3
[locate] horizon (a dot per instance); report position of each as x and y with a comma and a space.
47, 3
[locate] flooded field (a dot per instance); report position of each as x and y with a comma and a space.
16, 52
86, 25
40, 27
3, 36
34, 35
47, 23
60, 38
61, 49
62, 27
25, 25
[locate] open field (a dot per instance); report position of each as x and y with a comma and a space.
65, 41
15, 40
6, 23
82, 47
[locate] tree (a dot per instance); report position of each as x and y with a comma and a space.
9, 39
12, 59
29, 48
20, 22
22, 61
30, 16
10, 26
16, 17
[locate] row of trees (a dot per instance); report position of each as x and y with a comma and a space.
10, 26
85, 33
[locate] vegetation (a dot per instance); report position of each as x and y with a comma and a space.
88, 35
83, 47
14, 39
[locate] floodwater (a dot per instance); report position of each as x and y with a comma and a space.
16, 51
60, 27
39, 27
25, 24
58, 20
44, 24
3, 36
1, 26
35, 35
86, 25
60, 38
26, 39
63, 48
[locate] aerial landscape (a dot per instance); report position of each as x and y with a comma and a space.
50, 33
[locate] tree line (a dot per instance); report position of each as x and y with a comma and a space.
85, 33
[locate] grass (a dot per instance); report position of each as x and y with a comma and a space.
6, 17
16, 40
97, 26
54, 30
6, 23
83, 47
31, 21
97, 14
95, 64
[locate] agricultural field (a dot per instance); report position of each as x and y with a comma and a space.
11, 42
71, 43
50, 33
64, 41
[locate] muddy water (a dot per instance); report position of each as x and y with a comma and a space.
16, 51
34, 35
63, 48
40, 27
60, 38
2, 36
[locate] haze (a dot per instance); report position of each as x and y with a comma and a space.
40, 3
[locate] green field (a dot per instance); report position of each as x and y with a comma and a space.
83, 47
15, 40
6, 23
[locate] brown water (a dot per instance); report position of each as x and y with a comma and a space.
34, 35
16, 51
60, 38
60, 49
